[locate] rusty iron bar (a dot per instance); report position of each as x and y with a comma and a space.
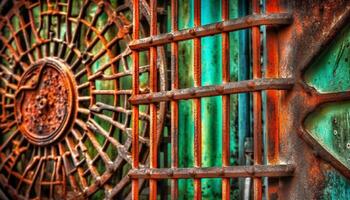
215, 90
212, 29
174, 103
225, 102
272, 97
257, 107
197, 70
153, 106
283, 170
135, 108
38, 39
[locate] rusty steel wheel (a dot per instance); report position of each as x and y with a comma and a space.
65, 81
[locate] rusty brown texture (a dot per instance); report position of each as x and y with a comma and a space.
315, 25
57, 133
256, 85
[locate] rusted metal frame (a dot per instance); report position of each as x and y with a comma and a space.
101, 76
68, 22
314, 101
48, 30
74, 155
91, 136
284, 170
135, 108
153, 106
257, 107
317, 99
37, 170
99, 107
197, 70
122, 151
25, 34
99, 11
15, 57
174, 104
225, 101
58, 32
215, 90
26, 170
70, 153
212, 29
272, 97
15, 37
91, 168
9, 139
34, 31
70, 177
13, 154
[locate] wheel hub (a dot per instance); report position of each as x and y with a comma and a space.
45, 101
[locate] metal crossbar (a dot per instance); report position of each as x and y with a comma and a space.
258, 84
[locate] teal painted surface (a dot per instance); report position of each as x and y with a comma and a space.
212, 106
330, 124
331, 71
186, 129
337, 187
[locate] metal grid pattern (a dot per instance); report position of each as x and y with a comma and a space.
65, 80
256, 85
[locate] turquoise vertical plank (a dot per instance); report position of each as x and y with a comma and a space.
243, 99
186, 130
235, 63
211, 107
243, 74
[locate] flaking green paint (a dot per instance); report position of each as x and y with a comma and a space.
337, 186
211, 106
331, 70
330, 123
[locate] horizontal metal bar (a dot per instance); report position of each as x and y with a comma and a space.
214, 172
212, 29
215, 90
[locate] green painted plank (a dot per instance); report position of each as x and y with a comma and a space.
337, 187
331, 71
211, 106
330, 124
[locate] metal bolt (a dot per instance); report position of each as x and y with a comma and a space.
348, 145
335, 132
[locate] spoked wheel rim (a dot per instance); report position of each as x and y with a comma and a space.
65, 80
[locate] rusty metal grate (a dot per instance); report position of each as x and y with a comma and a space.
65, 80
271, 83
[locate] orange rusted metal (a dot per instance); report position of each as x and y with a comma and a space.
257, 102
66, 124
225, 102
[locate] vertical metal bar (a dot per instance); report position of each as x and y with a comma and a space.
244, 99
257, 117
225, 102
272, 97
197, 101
174, 103
153, 106
135, 108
